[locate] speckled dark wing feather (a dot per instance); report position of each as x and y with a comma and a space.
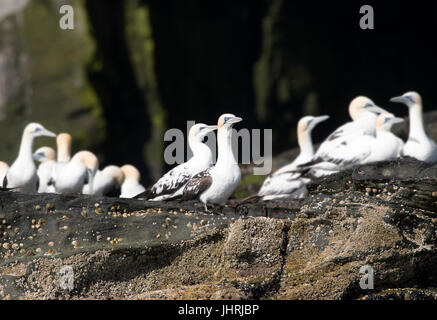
171, 182
197, 185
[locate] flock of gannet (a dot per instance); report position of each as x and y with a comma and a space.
58, 172
365, 139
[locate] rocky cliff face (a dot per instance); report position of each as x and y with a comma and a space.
381, 215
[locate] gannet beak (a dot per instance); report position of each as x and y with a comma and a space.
400, 99
48, 133
397, 120
320, 119
376, 109
210, 128
234, 120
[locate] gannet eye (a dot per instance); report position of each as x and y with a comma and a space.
226, 119
37, 129
201, 128
309, 122
409, 98
368, 105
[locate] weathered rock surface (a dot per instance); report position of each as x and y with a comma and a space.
380, 215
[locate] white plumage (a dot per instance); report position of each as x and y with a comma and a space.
47, 157
216, 184
286, 183
22, 174
418, 145
111, 177
172, 183
131, 186
349, 142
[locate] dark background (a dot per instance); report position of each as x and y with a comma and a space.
154, 64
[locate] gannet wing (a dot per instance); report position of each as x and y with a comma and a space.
170, 182
285, 183
197, 185
350, 152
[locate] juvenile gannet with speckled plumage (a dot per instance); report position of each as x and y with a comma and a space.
111, 177
47, 157
22, 174
131, 186
418, 145
70, 175
172, 183
216, 184
338, 149
286, 183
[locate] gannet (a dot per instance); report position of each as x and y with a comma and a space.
47, 157
172, 183
215, 184
286, 183
111, 177
70, 175
418, 145
131, 185
331, 156
384, 146
22, 174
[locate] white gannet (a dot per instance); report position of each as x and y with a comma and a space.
47, 157
215, 184
286, 183
384, 146
418, 145
131, 186
172, 183
111, 177
70, 175
331, 156
22, 174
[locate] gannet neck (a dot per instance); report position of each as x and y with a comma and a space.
198, 147
417, 129
26, 147
305, 143
224, 143
63, 142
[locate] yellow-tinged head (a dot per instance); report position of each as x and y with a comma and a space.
116, 173
34, 129
44, 154
200, 130
88, 159
130, 172
227, 120
362, 105
411, 99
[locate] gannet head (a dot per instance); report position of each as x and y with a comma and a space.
361, 106
44, 154
116, 173
34, 129
308, 123
200, 130
89, 160
130, 172
63, 143
385, 121
411, 99
227, 120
